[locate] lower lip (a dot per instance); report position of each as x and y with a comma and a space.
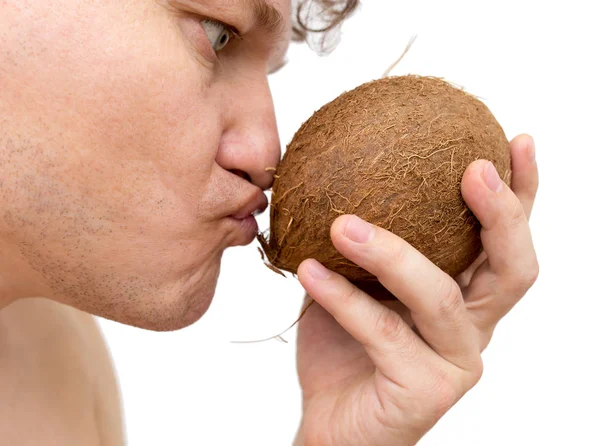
249, 227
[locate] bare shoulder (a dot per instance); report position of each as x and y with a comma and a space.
57, 380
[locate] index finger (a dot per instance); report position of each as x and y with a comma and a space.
433, 297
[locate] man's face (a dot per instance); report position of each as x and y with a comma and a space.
131, 133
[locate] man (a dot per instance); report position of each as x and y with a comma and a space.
135, 138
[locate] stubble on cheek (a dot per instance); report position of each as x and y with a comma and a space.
83, 203
82, 254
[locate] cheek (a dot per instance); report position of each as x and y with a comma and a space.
126, 100
140, 125
113, 267
116, 157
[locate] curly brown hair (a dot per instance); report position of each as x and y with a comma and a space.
317, 21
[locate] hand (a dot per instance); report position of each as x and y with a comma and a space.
368, 376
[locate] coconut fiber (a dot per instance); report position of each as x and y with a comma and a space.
393, 152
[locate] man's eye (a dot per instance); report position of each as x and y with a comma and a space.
218, 34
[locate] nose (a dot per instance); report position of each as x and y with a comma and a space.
250, 144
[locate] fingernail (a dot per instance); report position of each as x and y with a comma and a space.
491, 177
531, 152
318, 271
358, 230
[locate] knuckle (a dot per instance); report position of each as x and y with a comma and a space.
486, 336
350, 296
425, 406
533, 272
443, 396
449, 299
525, 277
397, 254
419, 412
515, 215
429, 404
476, 372
390, 326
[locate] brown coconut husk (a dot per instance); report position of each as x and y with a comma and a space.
393, 152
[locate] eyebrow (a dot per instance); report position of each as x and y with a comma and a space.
266, 17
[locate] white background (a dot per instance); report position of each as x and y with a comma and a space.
535, 64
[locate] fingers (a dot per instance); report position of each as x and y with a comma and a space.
512, 266
525, 177
389, 341
524, 184
433, 298
352, 308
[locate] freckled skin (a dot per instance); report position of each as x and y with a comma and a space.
123, 149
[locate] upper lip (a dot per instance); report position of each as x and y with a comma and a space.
256, 205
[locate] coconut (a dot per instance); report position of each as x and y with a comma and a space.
392, 151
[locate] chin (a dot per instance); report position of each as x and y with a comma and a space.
156, 298
177, 306
162, 316
164, 309
189, 307
194, 312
